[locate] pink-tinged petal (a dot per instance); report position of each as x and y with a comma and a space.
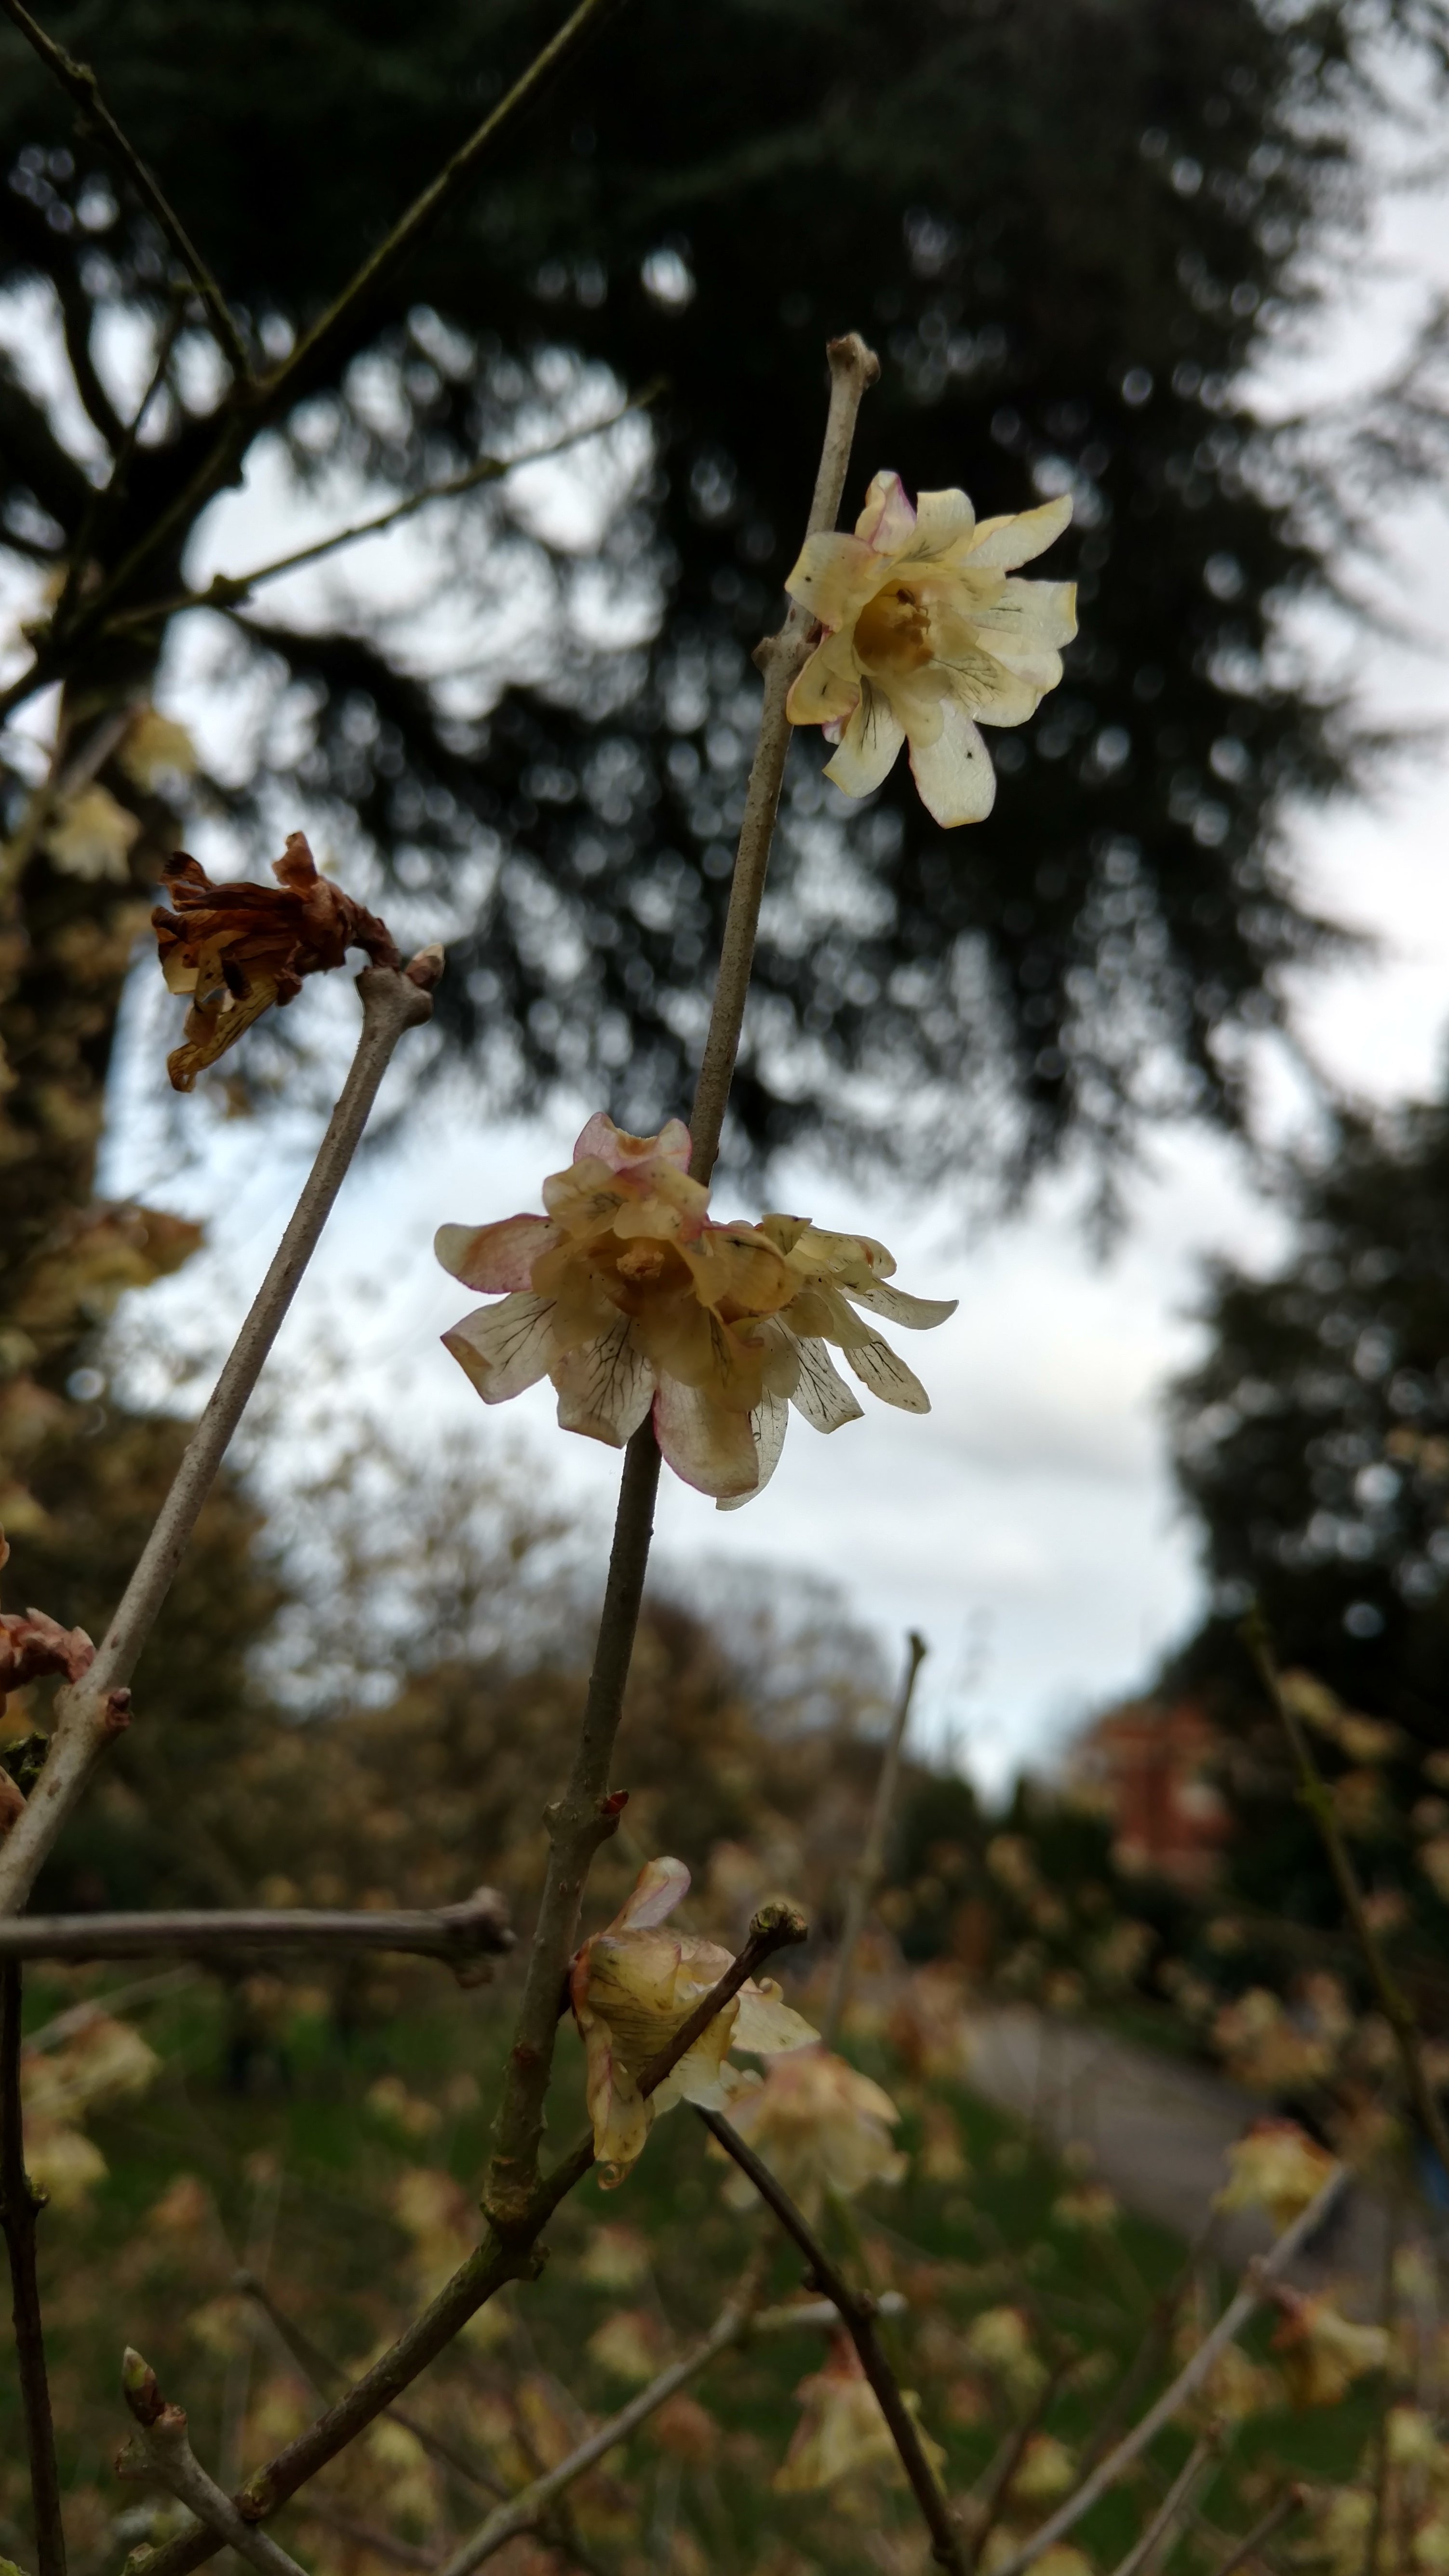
1003, 543
504, 1348
603, 1142
878, 1367
868, 747
833, 577
954, 775
828, 688
920, 1313
605, 1386
943, 520
707, 1445
821, 1394
768, 1424
887, 522
495, 1257
659, 1887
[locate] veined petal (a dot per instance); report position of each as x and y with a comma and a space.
833, 577
944, 520
659, 1887
767, 1429
920, 1313
887, 521
1001, 544
767, 2025
869, 744
504, 1348
954, 775
828, 689
1031, 613
707, 1444
986, 688
604, 1386
821, 1393
878, 1367
495, 1257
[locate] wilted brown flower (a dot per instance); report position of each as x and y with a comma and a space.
236, 949
33, 1646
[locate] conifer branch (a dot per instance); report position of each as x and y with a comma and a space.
90, 1713
20, 2206
82, 85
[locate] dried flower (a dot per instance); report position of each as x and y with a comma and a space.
1276, 2167
842, 2428
33, 1646
925, 631
236, 949
1323, 2353
820, 2127
631, 1986
629, 1297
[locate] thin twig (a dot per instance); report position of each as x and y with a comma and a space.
857, 2315
1150, 2351
492, 2264
1260, 2275
466, 1935
991, 2505
866, 1879
366, 2535
226, 589
20, 2205
1252, 2541
1394, 2004
92, 1711
81, 83
1174, 2504
168, 2453
103, 501
586, 1814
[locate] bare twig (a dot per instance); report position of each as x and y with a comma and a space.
227, 589
1252, 2541
1174, 2505
494, 2263
857, 2315
168, 2453
865, 1881
92, 1711
367, 2535
586, 1814
81, 83
1394, 2004
466, 1935
1256, 2282
991, 2496
20, 2205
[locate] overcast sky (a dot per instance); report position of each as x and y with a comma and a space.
1028, 1526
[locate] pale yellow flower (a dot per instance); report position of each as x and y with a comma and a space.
820, 2127
631, 1986
926, 631
1276, 2167
1322, 2352
91, 836
156, 747
998, 2340
1046, 2471
842, 2428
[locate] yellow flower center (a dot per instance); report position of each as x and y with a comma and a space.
642, 1261
892, 632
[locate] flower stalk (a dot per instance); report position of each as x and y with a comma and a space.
865, 1882
94, 1710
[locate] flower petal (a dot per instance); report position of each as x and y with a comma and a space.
504, 1348
821, 1393
919, 1313
604, 1386
828, 689
954, 775
1029, 615
603, 1142
767, 2025
833, 577
869, 744
707, 1443
943, 520
1001, 544
768, 1424
495, 1257
653, 1897
878, 1367
887, 521
984, 687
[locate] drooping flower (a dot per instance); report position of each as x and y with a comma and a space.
1322, 2352
631, 1986
926, 631
842, 2429
236, 949
1276, 2167
820, 2127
